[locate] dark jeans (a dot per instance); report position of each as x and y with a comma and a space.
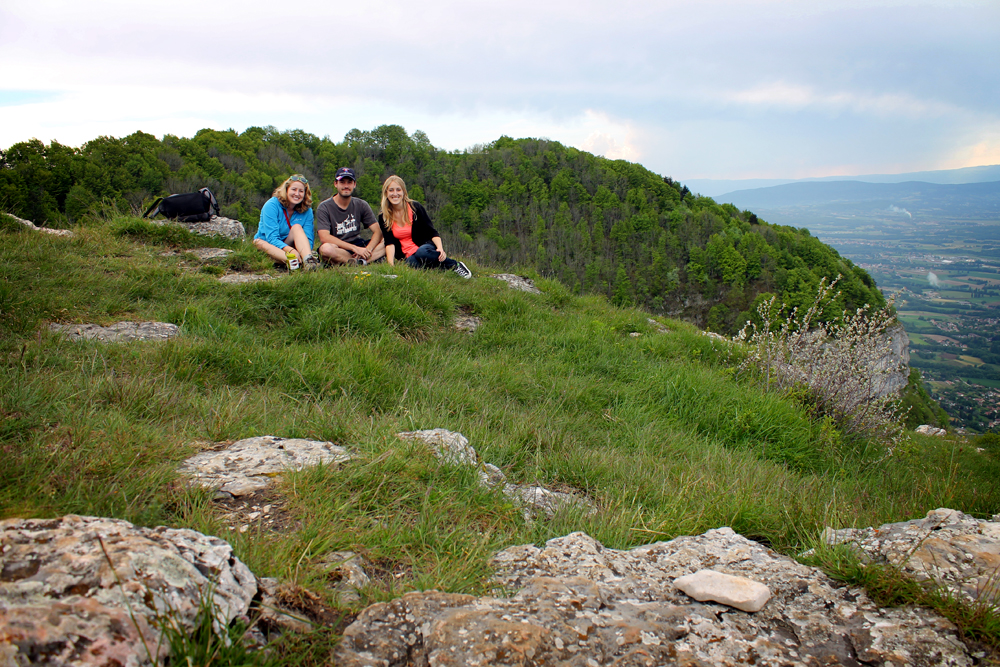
426, 257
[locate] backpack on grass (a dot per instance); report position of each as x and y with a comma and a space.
187, 207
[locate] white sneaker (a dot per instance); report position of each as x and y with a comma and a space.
463, 270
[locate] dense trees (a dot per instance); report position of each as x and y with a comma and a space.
597, 225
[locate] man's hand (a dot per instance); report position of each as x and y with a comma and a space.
363, 253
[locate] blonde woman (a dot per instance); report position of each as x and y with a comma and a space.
286, 223
409, 234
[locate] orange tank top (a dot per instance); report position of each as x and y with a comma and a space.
405, 234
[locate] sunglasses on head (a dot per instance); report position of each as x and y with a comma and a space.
298, 177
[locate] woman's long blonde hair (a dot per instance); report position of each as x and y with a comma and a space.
281, 192
387, 205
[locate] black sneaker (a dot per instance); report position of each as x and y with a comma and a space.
462, 270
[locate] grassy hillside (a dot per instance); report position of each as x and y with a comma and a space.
655, 429
599, 226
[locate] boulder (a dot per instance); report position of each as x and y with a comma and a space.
249, 465
216, 226
953, 549
454, 449
575, 602
518, 282
927, 429
80, 590
118, 333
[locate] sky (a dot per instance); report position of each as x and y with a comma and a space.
707, 89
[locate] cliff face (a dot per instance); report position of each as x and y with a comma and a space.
897, 359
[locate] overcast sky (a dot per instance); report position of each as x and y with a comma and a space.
701, 89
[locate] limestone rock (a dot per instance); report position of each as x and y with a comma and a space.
216, 226
118, 333
249, 465
454, 449
346, 573
656, 325
578, 603
517, 282
69, 587
739, 592
205, 254
927, 429
45, 230
241, 278
467, 323
957, 551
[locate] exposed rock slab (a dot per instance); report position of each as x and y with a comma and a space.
216, 226
656, 325
45, 230
927, 429
118, 333
205, 254
249, 465
954, 549
518, 282
454, 449
70, 587
241, 278
580, 604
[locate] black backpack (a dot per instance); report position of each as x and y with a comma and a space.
187, 207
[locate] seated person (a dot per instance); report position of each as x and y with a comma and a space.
286, 223
339, 220
409, 233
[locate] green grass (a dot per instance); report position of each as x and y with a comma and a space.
552, 388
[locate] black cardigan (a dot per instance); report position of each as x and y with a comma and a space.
423, 230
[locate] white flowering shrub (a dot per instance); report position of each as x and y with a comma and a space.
843, 366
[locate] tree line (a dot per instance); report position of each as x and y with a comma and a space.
597, 225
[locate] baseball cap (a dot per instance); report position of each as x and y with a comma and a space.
345, 172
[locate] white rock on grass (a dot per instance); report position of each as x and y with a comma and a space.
81, 590
216, 226
453, 448
517, 282
712, 586
927, 429
241, 278
121, 332
250, 465
45, 230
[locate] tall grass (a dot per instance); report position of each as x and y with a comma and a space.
552, 388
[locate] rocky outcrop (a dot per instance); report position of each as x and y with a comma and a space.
122, 332
518, 282
454, 449
927, 429
45, 230
90, 591
577, 603
249, 465
953, 549
896, 361
216, 226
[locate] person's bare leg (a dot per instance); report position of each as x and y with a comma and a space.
277, 254
335, 254
298, 240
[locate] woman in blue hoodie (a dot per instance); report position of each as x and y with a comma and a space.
286, 223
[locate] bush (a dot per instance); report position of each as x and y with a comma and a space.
839, 367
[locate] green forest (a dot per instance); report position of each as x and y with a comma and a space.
597, 225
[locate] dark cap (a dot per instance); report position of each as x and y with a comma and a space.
345, 172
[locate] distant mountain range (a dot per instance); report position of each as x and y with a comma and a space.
717, 187
913, 198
